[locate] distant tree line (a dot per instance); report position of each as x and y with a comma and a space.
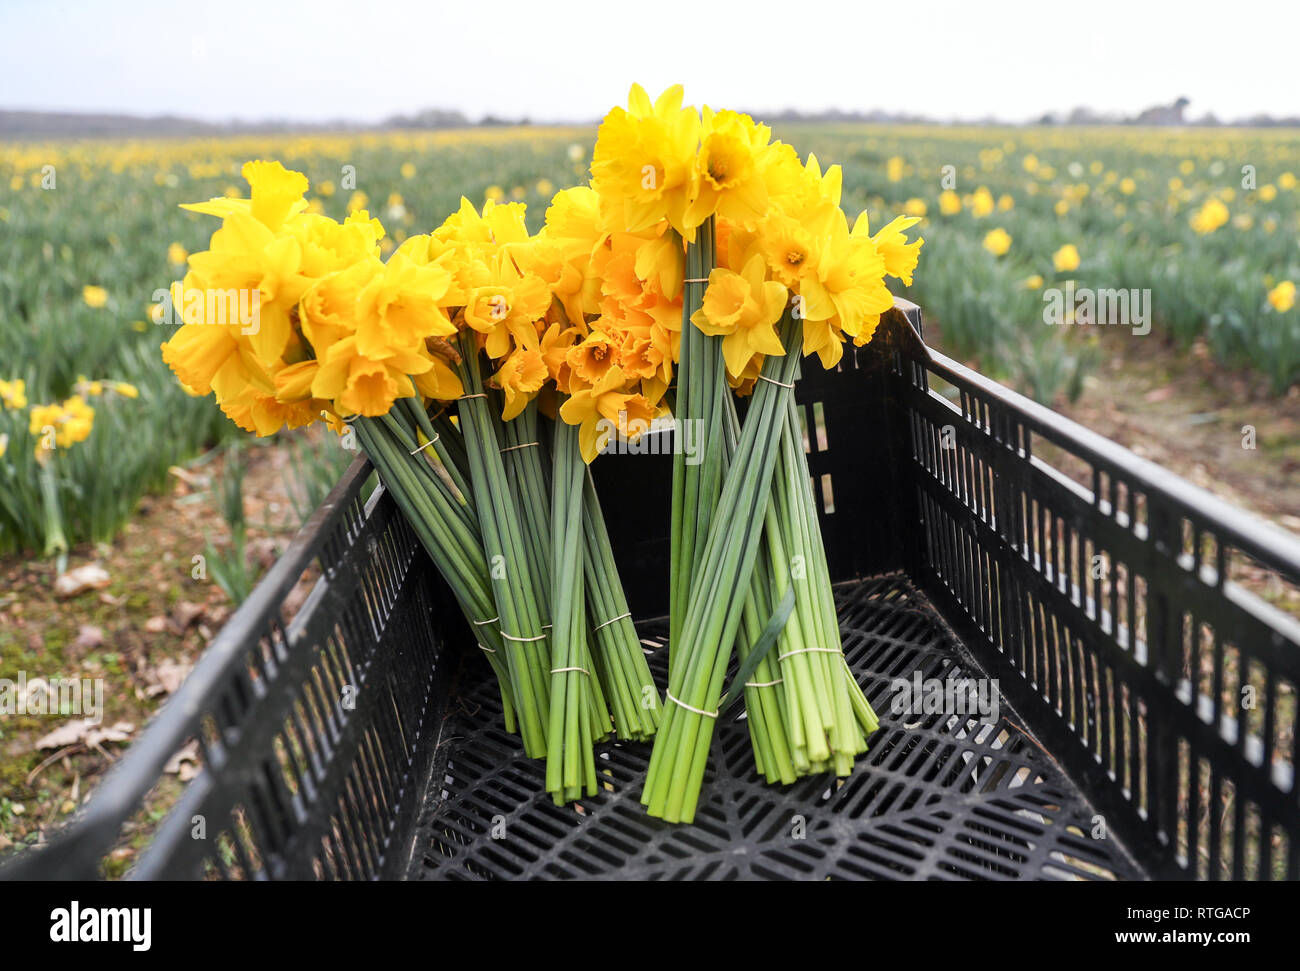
56, 124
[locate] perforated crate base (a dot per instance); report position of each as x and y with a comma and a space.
936, 797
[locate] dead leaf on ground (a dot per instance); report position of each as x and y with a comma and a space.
92, 576
89, 637
167, 676
85, 732
186, 613
185, 763
1159, 394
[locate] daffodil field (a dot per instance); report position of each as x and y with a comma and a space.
1206, 221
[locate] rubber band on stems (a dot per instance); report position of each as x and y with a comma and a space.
562, 670
779, 384
682, 704
809, 650
466, 397
415, 451
763, 684
511, 448
614, 620
484, 623
522, 640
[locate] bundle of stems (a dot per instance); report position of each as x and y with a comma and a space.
828, 718
765, 704
745, 520
517, 611
526, 461
712, 614
701, 398
578, 714
445, 526
629, 686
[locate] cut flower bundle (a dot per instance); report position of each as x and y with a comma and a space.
484, 368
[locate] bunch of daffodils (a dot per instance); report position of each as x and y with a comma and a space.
484, 368
771, 267
476, 397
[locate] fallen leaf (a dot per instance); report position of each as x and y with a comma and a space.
187, 613
92, 576
156, 625
167, 676
184, 763
89, 637
1159, 394
85, 732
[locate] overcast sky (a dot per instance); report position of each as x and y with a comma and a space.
572, 59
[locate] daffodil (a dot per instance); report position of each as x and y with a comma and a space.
362, 385
899, 254
605, 402
729, 169
1282, 297
1209, 217
644, 164
592, 358
742, 308
997, 241
521, 376
1066, 259
397, 309
981, 202
13, 394
70, 421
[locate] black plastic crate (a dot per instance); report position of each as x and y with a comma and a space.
362, 738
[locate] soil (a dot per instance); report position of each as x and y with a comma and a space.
140, 634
